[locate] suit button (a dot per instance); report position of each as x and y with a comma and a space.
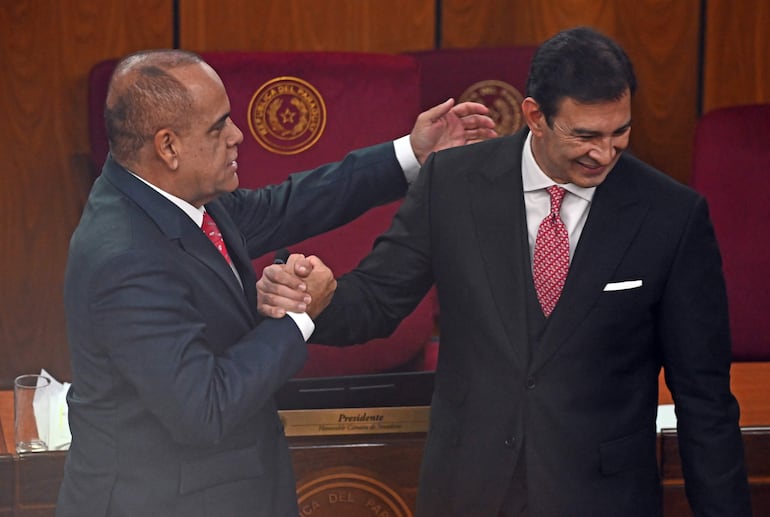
530, 383
510, 442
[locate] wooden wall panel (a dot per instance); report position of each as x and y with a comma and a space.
660, 36
342, 25
737, 53
46, 50
662, 39
496, 23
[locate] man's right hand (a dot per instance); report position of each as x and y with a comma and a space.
303, 284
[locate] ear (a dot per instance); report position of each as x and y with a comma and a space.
533, 116
167, 147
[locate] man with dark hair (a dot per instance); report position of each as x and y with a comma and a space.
174, 372
568, 273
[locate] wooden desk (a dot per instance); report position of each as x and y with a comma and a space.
34, 478
7, 474
29, 483
6, 422
750, 384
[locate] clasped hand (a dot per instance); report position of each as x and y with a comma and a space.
303, 284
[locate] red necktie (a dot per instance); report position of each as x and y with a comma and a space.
211, 230
551, 261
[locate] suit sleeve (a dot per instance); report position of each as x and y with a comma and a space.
371, 300
316, 201
695, 334
198, 369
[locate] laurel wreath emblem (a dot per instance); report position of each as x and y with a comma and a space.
287, 115
503, 101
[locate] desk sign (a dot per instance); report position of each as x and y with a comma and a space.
342, 421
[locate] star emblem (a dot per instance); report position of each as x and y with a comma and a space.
287, 117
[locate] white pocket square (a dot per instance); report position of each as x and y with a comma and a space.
622, 286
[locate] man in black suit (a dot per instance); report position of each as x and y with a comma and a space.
546, 388
171, 407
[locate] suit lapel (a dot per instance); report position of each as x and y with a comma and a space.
195, 242
616, 214
181, 230
497, 206
237, 249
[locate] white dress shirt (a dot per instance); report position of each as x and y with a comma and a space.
537, 201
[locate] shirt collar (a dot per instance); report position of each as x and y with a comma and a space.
533, 178
196, 214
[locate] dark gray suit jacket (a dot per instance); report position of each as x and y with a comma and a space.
576, 403
171, 407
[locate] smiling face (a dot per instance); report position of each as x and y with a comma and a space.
584, 140
205, 151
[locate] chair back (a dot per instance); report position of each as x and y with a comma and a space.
495, 77
731, 168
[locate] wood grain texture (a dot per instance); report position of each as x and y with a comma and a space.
48, 48
661, 37
737, 53
341, 25
495, 23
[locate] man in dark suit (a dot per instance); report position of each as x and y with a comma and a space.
546, 389
171, 407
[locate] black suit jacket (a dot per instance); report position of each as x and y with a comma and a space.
575, 403
171, 407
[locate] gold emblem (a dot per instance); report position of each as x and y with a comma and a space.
287, 115
503, 101
348, 492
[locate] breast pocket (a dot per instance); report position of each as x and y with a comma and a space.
625, 295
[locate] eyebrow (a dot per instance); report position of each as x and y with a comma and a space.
220, 122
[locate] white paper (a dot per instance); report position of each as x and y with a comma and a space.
51, 414
666, 417
40, 404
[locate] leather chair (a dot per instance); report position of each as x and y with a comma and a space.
731, 168
496, 77
338, 102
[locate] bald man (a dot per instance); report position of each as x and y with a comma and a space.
171, 407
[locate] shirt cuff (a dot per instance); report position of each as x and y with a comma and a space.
406, 158
303, 322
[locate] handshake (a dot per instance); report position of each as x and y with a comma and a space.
302, 284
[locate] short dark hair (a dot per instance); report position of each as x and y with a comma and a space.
582, 64
143, 97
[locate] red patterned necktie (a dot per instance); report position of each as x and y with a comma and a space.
211, 230
551, 261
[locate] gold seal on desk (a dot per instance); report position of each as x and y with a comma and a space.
348, 492
287, 115
503, 101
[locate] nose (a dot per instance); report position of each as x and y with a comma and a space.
236, 136
604, 150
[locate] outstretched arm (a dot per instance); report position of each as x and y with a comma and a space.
447, 125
